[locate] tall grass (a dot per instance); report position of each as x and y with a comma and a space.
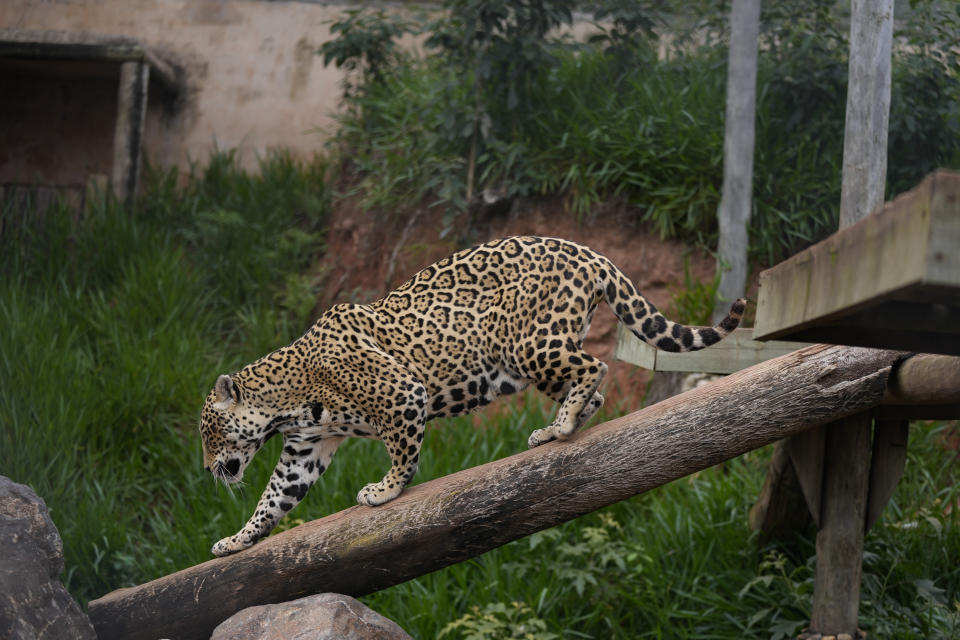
114, 327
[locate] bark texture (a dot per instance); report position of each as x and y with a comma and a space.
450, 519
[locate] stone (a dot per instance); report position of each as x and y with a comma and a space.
327, 616
34, 605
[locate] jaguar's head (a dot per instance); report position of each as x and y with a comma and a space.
232, 430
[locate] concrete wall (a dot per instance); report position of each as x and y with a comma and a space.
253, 81
56, 121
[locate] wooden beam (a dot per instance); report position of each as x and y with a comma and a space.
846, 456
894, 273
735, 352
462, 515
925, 379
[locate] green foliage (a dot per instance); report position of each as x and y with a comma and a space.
610, 119
499, 621
365, 46
925, 94
693, 304
502, 44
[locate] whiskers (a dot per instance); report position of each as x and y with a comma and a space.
222, 476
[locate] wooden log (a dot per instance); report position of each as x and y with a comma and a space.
450, 519
925, 379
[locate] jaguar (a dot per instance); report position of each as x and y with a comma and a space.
486, 321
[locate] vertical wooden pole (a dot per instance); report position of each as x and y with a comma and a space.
128, 132
868, 109
846, 465
736, 200
836, 588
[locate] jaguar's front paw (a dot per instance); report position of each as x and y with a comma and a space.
540, 436
230, 545
377, 493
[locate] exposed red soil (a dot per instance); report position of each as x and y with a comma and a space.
369, 254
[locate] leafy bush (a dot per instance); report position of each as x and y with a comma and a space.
609, 119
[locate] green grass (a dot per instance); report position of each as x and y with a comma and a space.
114, 330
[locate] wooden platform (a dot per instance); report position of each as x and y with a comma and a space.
735, 352
892, 280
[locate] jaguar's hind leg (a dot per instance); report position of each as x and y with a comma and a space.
558, 391
580, 374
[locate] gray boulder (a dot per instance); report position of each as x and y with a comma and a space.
328, 616
33, 603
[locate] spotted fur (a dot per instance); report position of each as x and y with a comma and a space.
484, 322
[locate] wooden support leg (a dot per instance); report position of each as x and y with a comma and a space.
128, 132
780, 511
836, 595
886, 467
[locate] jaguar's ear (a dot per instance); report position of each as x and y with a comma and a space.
225, 392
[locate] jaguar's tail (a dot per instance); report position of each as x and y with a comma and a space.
640, 316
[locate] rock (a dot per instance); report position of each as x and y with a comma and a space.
33, 603
328, 616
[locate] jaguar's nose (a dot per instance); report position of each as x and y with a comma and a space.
206, 468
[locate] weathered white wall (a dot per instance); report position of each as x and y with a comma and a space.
254, 81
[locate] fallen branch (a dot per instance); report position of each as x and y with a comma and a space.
451, 519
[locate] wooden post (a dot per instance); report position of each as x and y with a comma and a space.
846, 463
462, 515
736, 199
836, 587
128, 132
868, 109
